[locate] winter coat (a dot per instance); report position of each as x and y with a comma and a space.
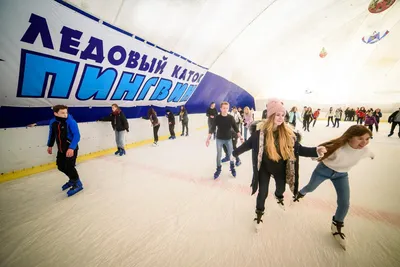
338, 114
183, 116
118, 121
393, 116
65, 132
330, 113
248, 119
256, 144
370, 120
171, 118
211, 112
293, 116
154, 120
237, 117
378, 116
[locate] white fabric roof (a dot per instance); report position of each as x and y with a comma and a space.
271, 48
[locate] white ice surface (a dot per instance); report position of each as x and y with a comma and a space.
161, 207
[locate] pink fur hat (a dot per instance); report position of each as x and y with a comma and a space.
275, 105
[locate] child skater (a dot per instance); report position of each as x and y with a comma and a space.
342, 154
370, 120
119, 124
234, 142
64, 130
154, 123
224, 122
171, 124
275, 150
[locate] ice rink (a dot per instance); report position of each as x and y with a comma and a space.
159, 206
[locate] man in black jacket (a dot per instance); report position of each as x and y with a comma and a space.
394, 119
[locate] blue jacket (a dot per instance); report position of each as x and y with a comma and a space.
65, 132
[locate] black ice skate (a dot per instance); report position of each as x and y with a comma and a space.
336, 229
279, 200
258, 220
297, 197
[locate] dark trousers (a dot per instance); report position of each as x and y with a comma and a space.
210, 124
234, 143
336, 123
185, 126
155, 132
67, 165
315, 120
360, 121
172, 129
394, 124
263, 185
330, 118
371, 128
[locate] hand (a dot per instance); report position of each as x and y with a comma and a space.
169, 122
207, 142
127, 130
50, 150
212, 117
32, 125
321, 150
70, 153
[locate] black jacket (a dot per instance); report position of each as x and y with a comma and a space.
171, 118
253, 143
391, 117
118, 121
212, 112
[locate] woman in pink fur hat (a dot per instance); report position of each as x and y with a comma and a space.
275, 150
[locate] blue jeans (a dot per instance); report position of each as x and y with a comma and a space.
340, 181
229, 146
119, 138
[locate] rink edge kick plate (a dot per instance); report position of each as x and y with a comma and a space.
5, 177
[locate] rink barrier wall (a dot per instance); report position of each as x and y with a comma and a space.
23, 150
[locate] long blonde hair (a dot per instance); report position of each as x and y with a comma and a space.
286, 140
246, 110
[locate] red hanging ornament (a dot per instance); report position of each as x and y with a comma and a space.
323, 53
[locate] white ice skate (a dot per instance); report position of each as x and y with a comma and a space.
340, 237
155, 144
258, 222
280, 202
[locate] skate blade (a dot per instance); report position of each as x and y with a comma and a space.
340, 241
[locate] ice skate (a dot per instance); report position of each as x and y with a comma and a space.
336, 229
226, 159
233, 171
117, 152
217, 172
122, 152
297, 197
280, 202
155, 144
258, 220
76, 187
67, 185
238, 162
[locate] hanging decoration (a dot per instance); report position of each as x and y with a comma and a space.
323, 53
378, 6
374, 37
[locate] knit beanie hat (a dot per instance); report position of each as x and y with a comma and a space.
274, 105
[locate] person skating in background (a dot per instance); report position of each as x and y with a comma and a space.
361, 115
211, 114
352, 114
338, 117
241, 112
330, 115
315, 116
370, 120
236, 116
119, 124
307, 118
184, 118
234, 143
224, 122
293, 116
394, 119
264, 113
171, 124
247, 121
64, 130
378, 115
342, 154
152, 115
303, 111
347, 114
274, 152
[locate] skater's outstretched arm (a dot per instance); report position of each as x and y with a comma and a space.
246, 146
311, 152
